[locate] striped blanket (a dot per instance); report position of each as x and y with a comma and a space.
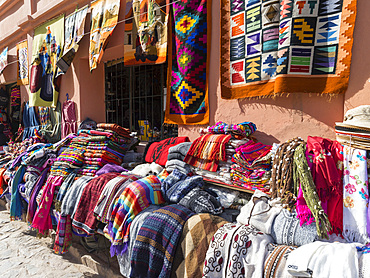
155, 246
84, 219
207, 150
136, 197
192, 247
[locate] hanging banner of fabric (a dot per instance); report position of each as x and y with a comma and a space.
104, 17
146, 32
22, 57
3, 59
188, 68
46, 49
74, 30
271, 48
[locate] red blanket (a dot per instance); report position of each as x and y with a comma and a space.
84, 218
158, 151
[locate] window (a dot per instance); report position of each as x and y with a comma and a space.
134, 98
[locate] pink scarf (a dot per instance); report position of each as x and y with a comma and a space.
42, 220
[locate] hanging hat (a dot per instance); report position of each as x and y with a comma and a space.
357, 117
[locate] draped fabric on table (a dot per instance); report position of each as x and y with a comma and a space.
104, 17
187, 81
22, 69
73, 33
46, 50
277, 47
148, 31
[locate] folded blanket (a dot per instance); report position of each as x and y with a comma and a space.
192, 247
178, 156
162, 229
200, 201
286, 230
84, 218
124, 132
158, 151
177, 185
136, 197
322, 259
107, 168
179, 165
181, 148
207, 150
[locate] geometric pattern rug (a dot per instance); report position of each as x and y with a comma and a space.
275, 47
187, 80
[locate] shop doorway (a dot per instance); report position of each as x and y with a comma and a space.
135, 98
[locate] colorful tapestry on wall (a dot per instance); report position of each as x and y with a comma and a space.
146, 31
104, 17
22, 69
187, 80
74, 30
3, 59
46, 49
274, 47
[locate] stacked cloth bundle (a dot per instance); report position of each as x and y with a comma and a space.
207, 151
176, 156
223, 173
252, 165
105, 145
71, 158
238, 131
354, 131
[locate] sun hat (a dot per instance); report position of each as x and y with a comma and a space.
357, 117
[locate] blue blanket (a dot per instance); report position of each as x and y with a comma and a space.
156, 242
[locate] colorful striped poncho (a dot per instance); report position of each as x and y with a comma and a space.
156, 242
136, 197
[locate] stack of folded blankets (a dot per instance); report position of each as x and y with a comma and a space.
354, 131
238, 131
252, 166
105, 145
70, 158
176, 156
235, 136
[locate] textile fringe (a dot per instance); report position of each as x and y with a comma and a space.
351, 235
329, 96
209, 150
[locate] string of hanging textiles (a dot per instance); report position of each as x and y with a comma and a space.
119, 22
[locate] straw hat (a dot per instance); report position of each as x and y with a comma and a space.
357, 117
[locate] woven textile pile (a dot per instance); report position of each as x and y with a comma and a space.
252, 165
237, 135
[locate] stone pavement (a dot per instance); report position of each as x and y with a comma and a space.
24, 255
